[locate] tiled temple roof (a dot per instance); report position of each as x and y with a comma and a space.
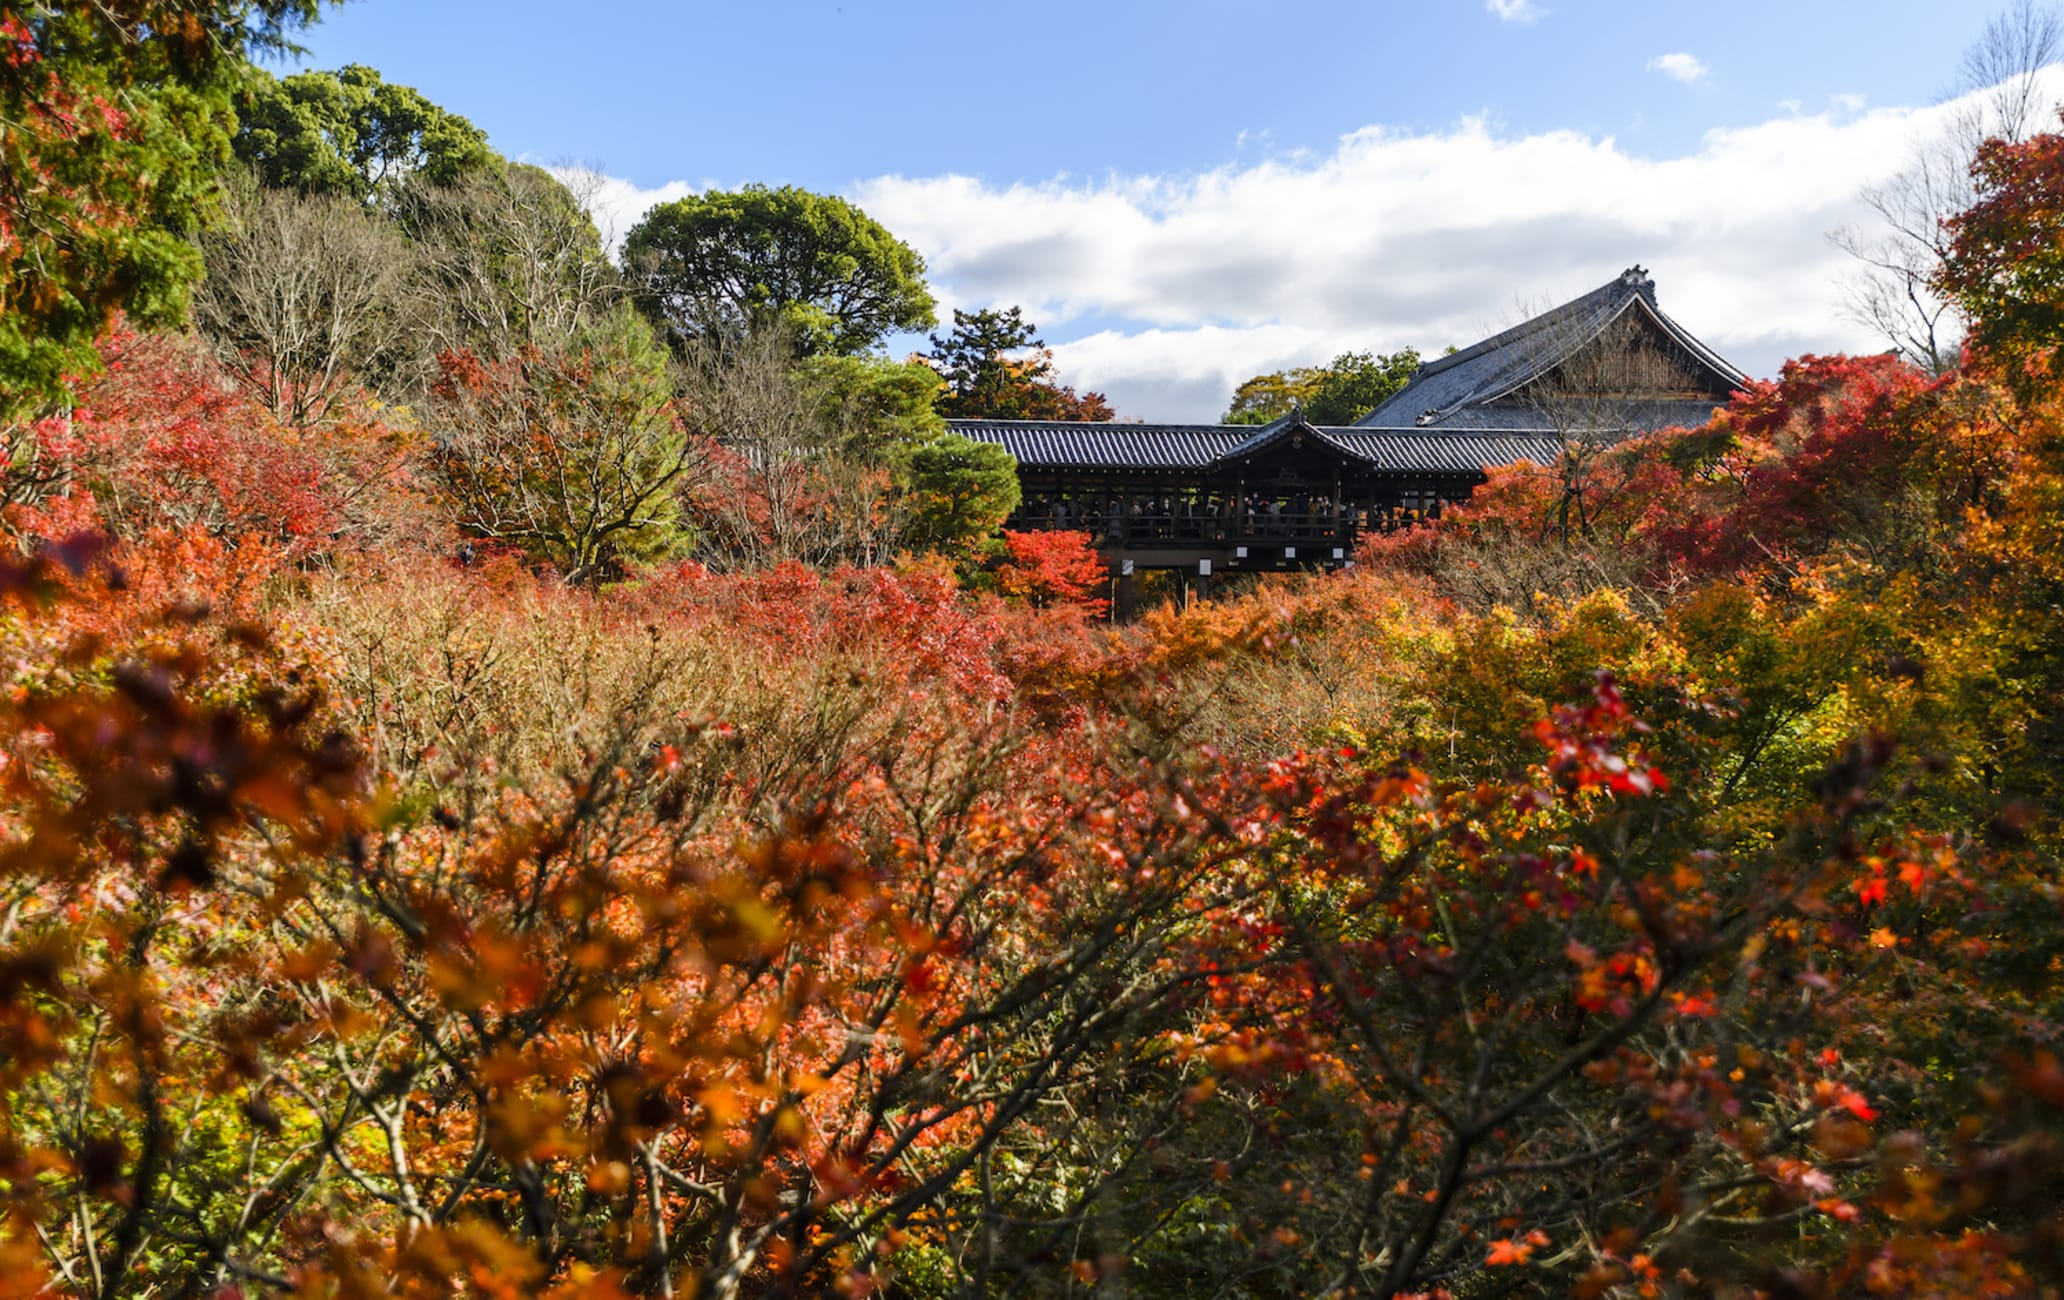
1056, 445
1460, 414
1060, 444
1474, 388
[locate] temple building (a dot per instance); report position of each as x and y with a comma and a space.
1220, 499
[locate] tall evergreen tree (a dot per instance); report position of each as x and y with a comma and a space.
996, 367
115, 119
352, 134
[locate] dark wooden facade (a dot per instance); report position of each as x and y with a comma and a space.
1287, 495
1216, 499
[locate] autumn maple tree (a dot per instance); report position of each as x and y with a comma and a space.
1054, 567
573, 454
2001, 267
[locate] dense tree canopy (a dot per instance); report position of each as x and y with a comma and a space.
960, 491
116, 118
1054, 567
727, 262
2005, 263
1340, 392
876, 404
573, 455
352, 134
1362, 933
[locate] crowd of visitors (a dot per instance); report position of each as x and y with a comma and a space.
1214, 518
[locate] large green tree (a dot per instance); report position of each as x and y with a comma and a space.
875, 405
352, 134
1339, 392
728, 262
994, 366
958, 491
115, 118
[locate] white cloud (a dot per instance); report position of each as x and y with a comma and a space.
1185, 373
1515, 11
1186, 285
1679, 66
1165, 291
614, 203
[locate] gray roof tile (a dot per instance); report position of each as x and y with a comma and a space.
1477, 420
1450, 391
1425, 451
1053, 445
1059, 444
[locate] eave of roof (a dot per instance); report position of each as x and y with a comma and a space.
1056, 445
1446, 451
1473, 423
1497, 367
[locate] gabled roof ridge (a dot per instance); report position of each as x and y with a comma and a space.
1540, 363
1698, 347
1463, 389
1264, 434
1681, 336
1628, 282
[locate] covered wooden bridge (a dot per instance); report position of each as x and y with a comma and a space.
1212, 499
1286, 494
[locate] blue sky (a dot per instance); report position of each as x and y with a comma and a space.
1183, 194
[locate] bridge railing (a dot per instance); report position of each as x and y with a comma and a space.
1244, 527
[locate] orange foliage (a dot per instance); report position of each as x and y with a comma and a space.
161, 440
1055, 568
1655, 896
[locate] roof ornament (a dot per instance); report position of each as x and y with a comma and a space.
1636, 277
1427, 417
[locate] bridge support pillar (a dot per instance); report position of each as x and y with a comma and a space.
1125, 604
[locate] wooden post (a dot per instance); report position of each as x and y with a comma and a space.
1339, 534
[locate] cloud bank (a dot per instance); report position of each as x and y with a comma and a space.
1166, 291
